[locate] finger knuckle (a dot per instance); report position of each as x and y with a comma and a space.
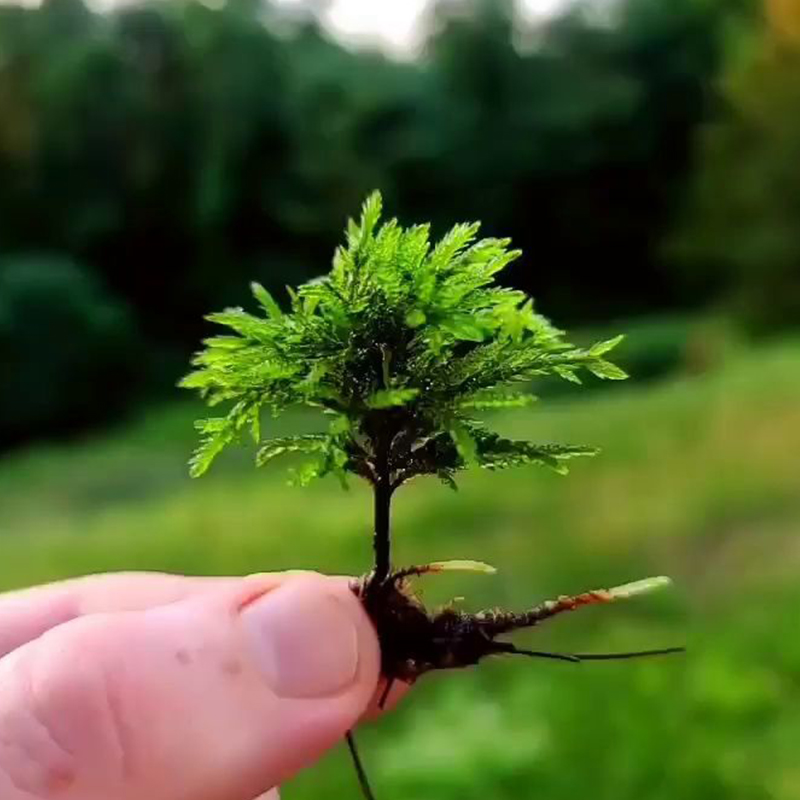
63, 729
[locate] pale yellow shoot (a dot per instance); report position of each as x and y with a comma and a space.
462, 566
644, 586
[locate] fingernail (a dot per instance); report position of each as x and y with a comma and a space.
303, 639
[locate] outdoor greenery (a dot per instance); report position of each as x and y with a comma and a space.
175, 151
698, 479
740, 220
642, 154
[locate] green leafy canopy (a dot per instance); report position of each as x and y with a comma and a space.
399, 345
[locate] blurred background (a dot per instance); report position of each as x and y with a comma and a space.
645, 154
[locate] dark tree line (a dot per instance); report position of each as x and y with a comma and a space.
155, 160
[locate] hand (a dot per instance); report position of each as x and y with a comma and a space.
126, 686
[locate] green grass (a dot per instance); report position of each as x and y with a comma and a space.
698, 479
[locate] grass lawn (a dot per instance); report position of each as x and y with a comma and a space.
699, 479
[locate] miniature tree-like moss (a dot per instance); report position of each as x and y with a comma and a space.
399, 346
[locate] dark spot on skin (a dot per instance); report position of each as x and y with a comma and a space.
59, 780
183, 657
231, 667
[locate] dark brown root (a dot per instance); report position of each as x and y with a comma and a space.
415, 641
363, 781
385, 694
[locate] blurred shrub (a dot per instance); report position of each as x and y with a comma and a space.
656, 347
68, 349
739, 238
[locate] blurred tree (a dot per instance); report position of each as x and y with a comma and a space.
581, 136
740, 234
68, 349
784, 17
179, 149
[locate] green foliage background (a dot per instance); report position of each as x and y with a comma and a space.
155, 161
175, 151
698, 480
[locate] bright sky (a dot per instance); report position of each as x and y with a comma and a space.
397, 23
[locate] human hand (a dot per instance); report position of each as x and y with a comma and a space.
132, 686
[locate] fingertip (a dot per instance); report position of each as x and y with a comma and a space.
311, 638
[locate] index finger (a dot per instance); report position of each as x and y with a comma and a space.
26, 614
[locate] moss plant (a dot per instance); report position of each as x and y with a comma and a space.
400, 346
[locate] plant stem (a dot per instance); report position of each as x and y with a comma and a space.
383, 501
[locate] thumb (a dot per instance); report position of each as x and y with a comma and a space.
218, 697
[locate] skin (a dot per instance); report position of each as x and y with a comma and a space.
178, 688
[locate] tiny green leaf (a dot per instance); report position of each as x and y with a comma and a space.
465, 443
389, 398
567, 373
601, 348
415, 318
607, 370
266, 300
